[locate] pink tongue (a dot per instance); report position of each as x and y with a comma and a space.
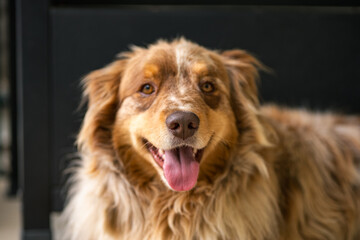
180, 168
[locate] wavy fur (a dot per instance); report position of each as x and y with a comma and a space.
270, 173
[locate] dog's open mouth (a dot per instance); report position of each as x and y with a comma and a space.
180, 165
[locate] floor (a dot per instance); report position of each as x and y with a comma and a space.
9, 214
10, 217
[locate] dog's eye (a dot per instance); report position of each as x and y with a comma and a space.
207, 87
147, 89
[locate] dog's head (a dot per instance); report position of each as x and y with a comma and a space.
174, 106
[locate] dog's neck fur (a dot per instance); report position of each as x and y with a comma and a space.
146, 203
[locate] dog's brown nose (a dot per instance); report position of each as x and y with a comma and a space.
182, 124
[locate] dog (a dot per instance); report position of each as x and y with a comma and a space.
175, 145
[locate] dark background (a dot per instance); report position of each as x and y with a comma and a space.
312, 47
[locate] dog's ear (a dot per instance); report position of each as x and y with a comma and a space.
101, 89
243, 72
242, 69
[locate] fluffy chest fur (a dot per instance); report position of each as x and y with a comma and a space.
222, 211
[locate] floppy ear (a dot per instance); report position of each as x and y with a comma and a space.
242, 69
101, 89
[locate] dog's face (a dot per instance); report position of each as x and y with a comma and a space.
174, 104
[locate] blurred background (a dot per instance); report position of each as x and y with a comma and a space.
47, 46
9, 200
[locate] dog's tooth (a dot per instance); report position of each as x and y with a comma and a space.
161, 151
195, 151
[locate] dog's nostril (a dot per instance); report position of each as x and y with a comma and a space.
173, 126
182, 124
192, 125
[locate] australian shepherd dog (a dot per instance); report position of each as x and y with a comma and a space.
175, 145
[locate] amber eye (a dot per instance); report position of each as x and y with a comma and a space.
207, 87
147, 89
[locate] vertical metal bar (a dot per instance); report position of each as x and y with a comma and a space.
13, 189
33, 116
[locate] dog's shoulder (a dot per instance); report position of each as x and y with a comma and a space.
307, 123
303, 134
317, 159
